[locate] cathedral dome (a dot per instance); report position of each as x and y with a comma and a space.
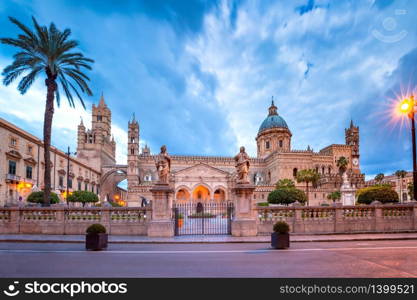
273, 120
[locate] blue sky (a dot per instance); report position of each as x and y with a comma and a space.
200, 74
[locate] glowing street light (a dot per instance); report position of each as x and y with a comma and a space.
407, 106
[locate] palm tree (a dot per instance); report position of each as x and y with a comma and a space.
342, 163
307, 176
400, 175
334, 196
379, 177
47, 52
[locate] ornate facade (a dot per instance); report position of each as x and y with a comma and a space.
208, 178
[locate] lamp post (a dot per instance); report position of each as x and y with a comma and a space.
408, 106
68, 170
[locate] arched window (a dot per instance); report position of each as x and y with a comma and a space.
294, 172
280, 143
330, 170
132, 151
132, 139
322, 170
267, 144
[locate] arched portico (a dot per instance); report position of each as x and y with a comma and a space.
201, 193
182, 195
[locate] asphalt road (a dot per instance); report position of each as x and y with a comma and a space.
320, 259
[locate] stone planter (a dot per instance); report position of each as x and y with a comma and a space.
96, 241
280, 240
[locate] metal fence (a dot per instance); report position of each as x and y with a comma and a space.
203, 218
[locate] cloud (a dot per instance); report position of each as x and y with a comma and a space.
200, 77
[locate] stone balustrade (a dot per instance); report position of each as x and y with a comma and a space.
117, 220
340, 219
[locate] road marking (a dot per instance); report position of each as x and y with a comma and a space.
200, 251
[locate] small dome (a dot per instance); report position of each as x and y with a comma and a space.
273, 120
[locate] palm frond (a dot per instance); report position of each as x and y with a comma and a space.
48, 51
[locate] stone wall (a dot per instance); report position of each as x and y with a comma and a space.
340, 219
118, 221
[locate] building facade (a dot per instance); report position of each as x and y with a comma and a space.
22, 166
208, 178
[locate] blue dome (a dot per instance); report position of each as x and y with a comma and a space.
273, 121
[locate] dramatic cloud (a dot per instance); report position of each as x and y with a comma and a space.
200, 75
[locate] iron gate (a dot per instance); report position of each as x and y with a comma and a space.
203, 218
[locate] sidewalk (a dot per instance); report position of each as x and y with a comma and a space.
123, 239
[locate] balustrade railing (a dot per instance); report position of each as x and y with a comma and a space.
371, 218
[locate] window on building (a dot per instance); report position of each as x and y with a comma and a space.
132, 151
12, 167
99, 118
132, 139
322, 170
79, 185
13, 142
29, 172
280, 143
294, 172
85, 186
70, 182
61, 180
267, 144
30, 150
330, 170
97, 189
92, 188
90, 139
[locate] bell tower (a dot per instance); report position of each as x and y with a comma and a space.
96, 146
133, 152
352, 139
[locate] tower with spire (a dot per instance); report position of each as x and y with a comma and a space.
96, 146
133, 151
352, 139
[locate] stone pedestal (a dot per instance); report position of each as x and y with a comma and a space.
347, 192
162, 224
244, 221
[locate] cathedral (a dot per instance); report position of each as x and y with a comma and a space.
212, 178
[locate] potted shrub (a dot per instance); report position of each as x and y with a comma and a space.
280, 238
180, 220
96, 237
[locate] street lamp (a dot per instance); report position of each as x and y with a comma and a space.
68, 169
407, 106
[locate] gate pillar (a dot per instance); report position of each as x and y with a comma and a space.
244, 221
162, 223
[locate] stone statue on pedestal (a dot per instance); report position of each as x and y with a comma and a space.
163, 165
242, 166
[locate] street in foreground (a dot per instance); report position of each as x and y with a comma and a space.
315, 259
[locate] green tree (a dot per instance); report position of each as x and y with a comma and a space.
285, 183
379, 177
381, 193
308, 176
342, 163
38, 197
287, 196
334, 196
83, 197
47, 52
400, 175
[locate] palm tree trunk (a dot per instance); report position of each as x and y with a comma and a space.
308, 204
47, 129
